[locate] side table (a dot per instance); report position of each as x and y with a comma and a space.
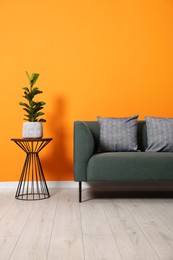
32, 184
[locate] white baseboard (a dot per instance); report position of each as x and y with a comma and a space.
62, 184
50, 184
100, 184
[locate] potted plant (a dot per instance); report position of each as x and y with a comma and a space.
33, 127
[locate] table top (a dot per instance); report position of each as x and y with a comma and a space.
31, 145
31, 139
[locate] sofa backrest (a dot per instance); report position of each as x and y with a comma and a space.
141, 134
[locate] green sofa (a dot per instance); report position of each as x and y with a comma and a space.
92, 165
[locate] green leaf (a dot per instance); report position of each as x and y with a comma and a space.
36, 109
24, 104
26, 97
39, 114
25, 88
41, 103
30, 96
21, 103
27, 110
27, 116
34, 78
32, 103
28, 76
36, 91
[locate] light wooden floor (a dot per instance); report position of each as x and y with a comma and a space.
60, 228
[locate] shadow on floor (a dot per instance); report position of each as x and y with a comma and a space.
140, 190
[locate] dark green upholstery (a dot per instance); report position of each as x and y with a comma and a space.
83, 149
90, 165
130, 166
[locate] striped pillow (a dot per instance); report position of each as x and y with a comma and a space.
159, 134
118, 134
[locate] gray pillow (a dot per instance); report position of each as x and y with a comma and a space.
118, 134
159, 134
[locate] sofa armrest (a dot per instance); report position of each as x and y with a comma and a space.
83, 149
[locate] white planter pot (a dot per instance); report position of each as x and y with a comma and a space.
32, 130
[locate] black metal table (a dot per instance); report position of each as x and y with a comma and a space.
32, 184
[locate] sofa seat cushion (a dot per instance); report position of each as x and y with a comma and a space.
130, 166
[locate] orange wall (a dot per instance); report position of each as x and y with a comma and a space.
95, 57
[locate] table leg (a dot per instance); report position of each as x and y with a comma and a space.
32, 184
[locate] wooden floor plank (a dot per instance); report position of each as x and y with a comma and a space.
35, 237
60, 228
6, 200
98, 239
12, 224
130, 240
98, 247
163, 208
156, 232
66, 240
7, 243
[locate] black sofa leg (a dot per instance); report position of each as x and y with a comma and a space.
80, 191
